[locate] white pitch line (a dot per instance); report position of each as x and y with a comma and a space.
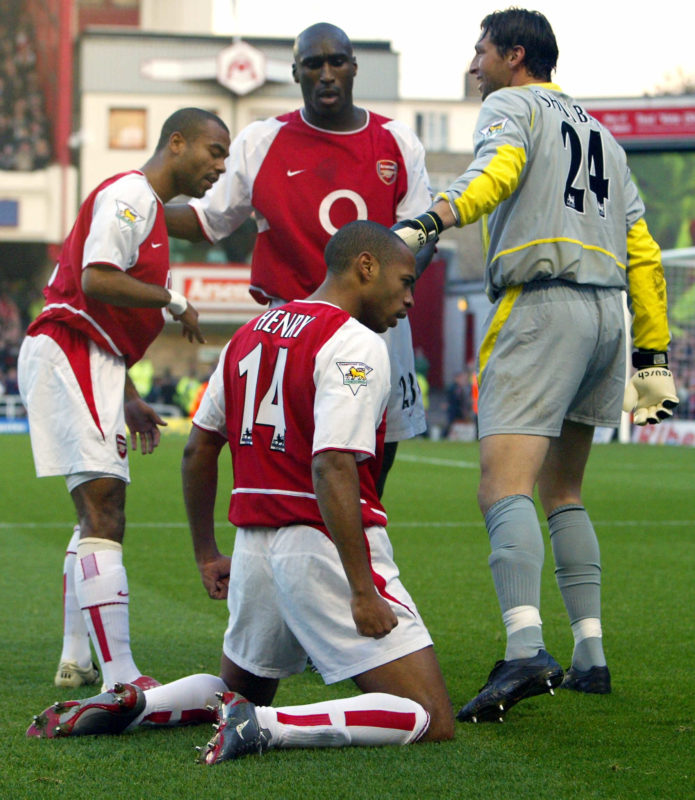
616, 523
439, 462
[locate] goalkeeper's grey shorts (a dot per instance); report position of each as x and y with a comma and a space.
553, 350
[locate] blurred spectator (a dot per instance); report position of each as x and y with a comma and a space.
186, 390
197, 398
458, 401
11, 331
163, 389
10, 320
424, 385
473, 380
422, 363
142, 376
11, 385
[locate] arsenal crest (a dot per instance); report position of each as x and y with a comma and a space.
387, 170
121, 445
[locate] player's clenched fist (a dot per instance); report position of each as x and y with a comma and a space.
651, 394
417, 232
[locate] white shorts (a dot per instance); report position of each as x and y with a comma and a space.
65, 438
289, 599
405, 413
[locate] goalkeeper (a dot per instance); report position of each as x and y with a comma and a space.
566, 237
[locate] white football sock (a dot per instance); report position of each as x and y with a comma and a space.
101, 587
368, 719
181, 702
75, 634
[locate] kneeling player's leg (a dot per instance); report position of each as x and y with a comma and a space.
194, 698
255, 688
187, 701
413, 679
405, 701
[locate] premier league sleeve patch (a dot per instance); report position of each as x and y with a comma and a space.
354, 374
127, 216
494, 128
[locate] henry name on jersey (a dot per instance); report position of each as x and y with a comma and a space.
289, 325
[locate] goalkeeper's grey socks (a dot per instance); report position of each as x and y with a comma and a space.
516, 561
578, 574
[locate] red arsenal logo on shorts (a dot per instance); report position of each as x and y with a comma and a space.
121, 445
387, 170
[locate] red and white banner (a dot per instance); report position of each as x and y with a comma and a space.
645, 121
220, 293
676, 432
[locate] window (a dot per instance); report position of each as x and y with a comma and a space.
432, 128
127, 128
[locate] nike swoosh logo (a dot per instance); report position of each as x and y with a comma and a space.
157, 245
122, 594
291, 172
240, 728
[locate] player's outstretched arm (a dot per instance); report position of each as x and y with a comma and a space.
337, 487
199, 478
420, 230
110, 285
651, 392
182, 222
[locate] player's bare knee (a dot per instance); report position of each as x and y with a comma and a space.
441, 727
438, 706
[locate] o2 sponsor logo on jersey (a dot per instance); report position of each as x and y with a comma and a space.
127, 216
387, 170
121, 445
354, 374
340, 194
494, 128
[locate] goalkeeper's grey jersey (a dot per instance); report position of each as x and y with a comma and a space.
557, 188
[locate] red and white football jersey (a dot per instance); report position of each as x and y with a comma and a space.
298, 380
121, 223
304, 183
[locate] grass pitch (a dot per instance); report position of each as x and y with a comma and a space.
636, 743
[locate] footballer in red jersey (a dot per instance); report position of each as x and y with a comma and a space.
105, 304
303, 176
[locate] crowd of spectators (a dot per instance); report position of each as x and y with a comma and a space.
682, 363
25, 141
11, 332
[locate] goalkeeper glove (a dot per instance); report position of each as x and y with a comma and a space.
651, 392
417, 232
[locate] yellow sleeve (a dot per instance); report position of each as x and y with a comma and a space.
495, 183
647, 288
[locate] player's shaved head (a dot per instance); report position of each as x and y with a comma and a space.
362, 236
321, 31
189, 122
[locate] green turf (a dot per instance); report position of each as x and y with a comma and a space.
636, 743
